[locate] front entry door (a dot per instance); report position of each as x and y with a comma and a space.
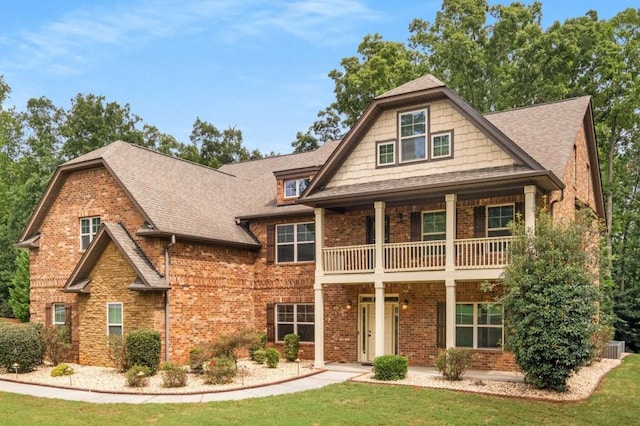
367, 328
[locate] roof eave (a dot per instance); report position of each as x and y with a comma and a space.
167, 234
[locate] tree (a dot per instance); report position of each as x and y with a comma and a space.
551, 299
213, 148
304, 142
19, 292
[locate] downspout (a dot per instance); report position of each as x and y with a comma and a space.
554, 202
166, 297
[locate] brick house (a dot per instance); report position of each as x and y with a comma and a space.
376, 244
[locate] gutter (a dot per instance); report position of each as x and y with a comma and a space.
166, 297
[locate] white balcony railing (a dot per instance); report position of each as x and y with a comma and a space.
472, 253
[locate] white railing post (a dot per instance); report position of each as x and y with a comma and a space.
379, 232
530, 208
318, 301
450, 263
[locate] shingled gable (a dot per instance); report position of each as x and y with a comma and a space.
175, 197
424, 89
148, 278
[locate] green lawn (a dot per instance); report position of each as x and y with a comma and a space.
615, 402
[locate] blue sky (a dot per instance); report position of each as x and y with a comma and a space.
260, 66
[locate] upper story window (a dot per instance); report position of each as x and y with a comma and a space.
441, 145
88, 228
294, 187
386, 153
479, 325
498, 219
295, 242
413, 131
434, 226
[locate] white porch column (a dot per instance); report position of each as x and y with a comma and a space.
450, 285
450, 249
379, 233
530, 208
318, 300
379, 343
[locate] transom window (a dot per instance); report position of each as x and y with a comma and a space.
295, 242
58, 312
479, 325
434, 226
88, 228
498, 219
295, 187
386, 153
441, 145
295, 319
413, 131
114, 319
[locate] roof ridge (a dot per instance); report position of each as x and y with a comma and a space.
281, 155
574, 98
139, 249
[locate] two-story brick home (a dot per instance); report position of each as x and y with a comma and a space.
376, 244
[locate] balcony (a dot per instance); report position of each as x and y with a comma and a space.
473, 253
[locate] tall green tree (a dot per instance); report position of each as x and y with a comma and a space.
19, 292
213, 148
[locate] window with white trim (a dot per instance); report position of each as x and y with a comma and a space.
294, 187
434, 226
88, 228
295, 319
498, 219
386, 153
413, 132
479, 325
58, 314
295, 242
114, 319
441, 145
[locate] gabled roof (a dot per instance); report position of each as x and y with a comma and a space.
176, 197
148, 278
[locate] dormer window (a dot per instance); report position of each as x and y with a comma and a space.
413, 135
294, 187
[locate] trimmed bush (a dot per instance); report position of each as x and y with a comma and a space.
291, 346
56, 343
390, 367
117, 352
261, 342
453, 363
138, 376
272, 357
220, 370
21, 344
173, 375
62, 370
260, 356
143, 348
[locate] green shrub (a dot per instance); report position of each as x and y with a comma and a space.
228, 345
62, 370
117, 352
21, 344
390, 367
143, 348
291, 346
453, 362
261, 342
220, 370
173, 375
272, 357
138, 376
260, 356
56, 343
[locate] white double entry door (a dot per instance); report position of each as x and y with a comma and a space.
367, 327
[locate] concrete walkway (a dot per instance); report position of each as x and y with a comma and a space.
335, 373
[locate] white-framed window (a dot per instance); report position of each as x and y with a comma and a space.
498, 219
114, 319
295, 242
88, 228
386, 153
58, 314
294, 187
413, 132
434, 225
441, 145
297, 319
479, 325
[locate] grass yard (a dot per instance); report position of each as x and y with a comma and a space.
616, 401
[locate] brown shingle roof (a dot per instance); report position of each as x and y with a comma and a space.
546, 131
425, 82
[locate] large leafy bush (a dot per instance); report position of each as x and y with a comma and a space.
21, 344
143, 348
